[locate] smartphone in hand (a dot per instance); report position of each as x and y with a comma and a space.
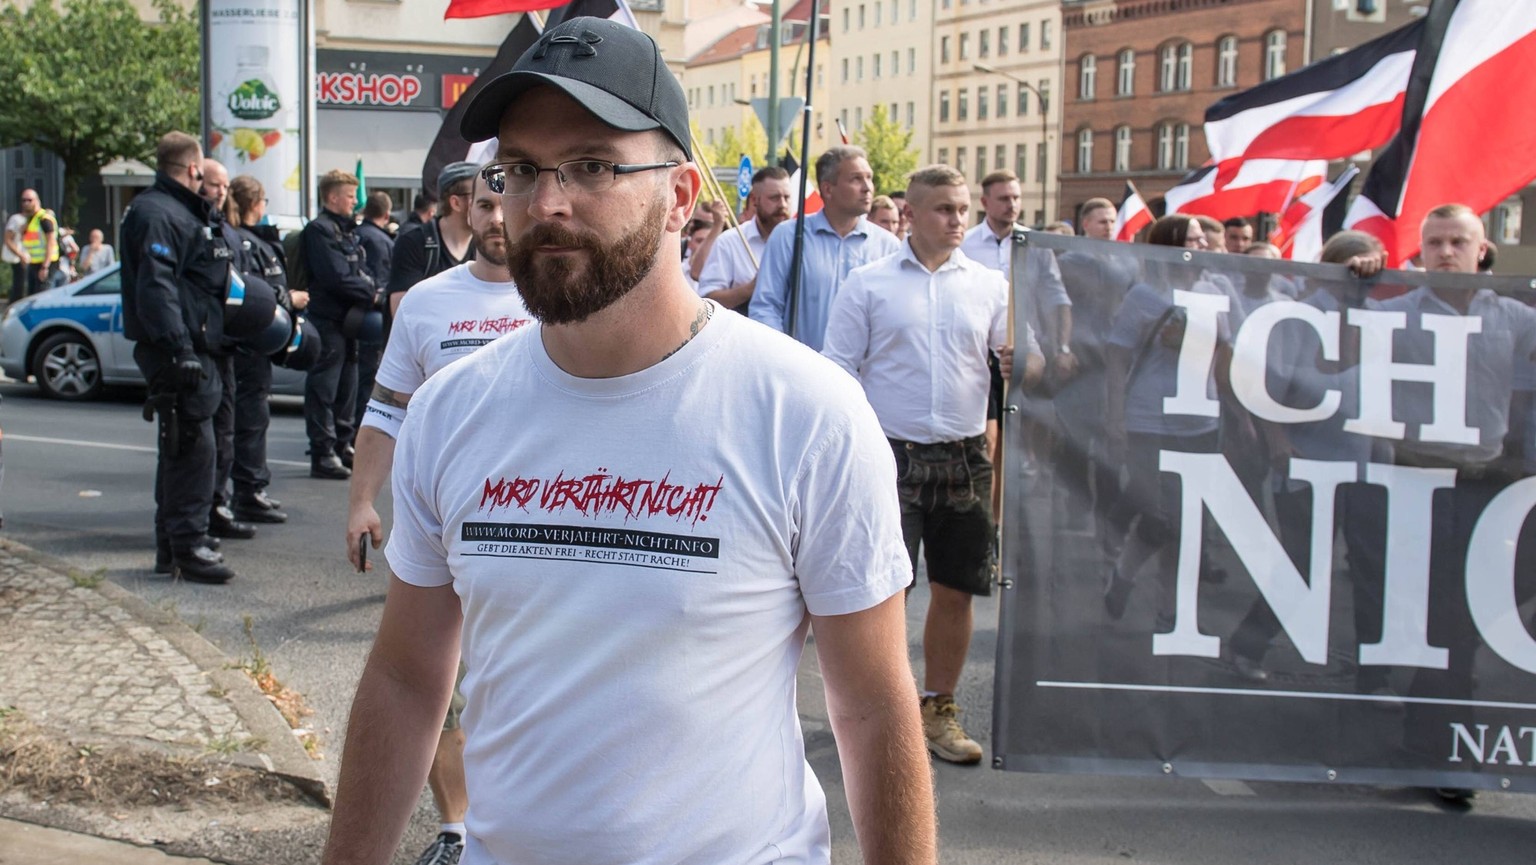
362, 552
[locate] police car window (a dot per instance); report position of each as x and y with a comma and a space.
112, 283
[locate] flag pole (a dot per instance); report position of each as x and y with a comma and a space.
797, 256
713, 187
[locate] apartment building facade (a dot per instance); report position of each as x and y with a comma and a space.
996, 93
1139, 75
881, 55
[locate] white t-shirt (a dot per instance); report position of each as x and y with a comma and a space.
635, 581
729, 265
445, 318
15, 225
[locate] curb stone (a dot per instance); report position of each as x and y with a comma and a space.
280, 754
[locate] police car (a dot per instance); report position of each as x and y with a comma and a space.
70, 339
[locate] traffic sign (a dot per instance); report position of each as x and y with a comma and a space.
744, 178
789, 108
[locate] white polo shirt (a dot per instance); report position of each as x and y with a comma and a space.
917, 341
729, 265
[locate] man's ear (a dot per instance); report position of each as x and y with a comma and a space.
686, 185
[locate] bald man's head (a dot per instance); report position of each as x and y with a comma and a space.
215, 182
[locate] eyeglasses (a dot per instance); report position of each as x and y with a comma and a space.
586, 175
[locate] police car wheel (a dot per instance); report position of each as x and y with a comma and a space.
67, 367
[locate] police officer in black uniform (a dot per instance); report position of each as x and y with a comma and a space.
247, 204
341, 293
176, 271
221, 520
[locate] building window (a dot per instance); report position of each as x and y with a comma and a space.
943, 155
845, 70
960, 155
895, 63
1274, 54
858, 66
1045, 96
879, 13
1186, 66
1087, 76
999, 157
876, 61
1021, 161
711, 94
944, 106
861, 16
964, 112
1023, 101
858, 118
1045, 35
965, 46
943, 49
842, 117
1002, 106
981, 164
982, 102
912, 11
1165, 146
911, 61
1181, 146
911, 114
1167, 67
1041, 164
1085, 151
1002, 41
1023, 37
1123, 148
1226, 62
1125, 84
984, 43
847, 13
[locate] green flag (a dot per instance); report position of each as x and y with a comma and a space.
362, 187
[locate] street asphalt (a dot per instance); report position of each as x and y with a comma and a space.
77, 486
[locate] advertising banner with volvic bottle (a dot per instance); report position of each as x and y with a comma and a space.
254, 101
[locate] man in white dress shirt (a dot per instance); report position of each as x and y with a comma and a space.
730, 274
915, 329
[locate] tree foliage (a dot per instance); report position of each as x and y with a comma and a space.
891, 154
93, 82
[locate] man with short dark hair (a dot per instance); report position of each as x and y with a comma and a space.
440, 242
917, 329
651, 589
1239, 234
175, 276
837, 239
730, 275
341, 294
421, 210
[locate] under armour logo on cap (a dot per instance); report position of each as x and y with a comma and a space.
583, 43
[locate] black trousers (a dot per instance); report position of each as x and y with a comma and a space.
224, 429
184, 472
330, 392
368, 357
253, 415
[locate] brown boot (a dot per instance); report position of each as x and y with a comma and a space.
946, 738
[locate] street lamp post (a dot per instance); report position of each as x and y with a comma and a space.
1044, 130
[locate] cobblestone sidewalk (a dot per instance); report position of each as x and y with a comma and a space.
83, 657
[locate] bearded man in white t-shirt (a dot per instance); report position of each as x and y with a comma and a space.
442, 319
634, 586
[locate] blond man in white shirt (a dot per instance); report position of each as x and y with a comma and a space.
915, 329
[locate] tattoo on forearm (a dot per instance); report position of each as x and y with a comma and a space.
391, 397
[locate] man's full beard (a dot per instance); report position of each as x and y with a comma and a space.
558, 290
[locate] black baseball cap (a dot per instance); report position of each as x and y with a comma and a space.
613, 71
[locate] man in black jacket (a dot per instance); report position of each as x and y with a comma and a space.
176, 270
339, 282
